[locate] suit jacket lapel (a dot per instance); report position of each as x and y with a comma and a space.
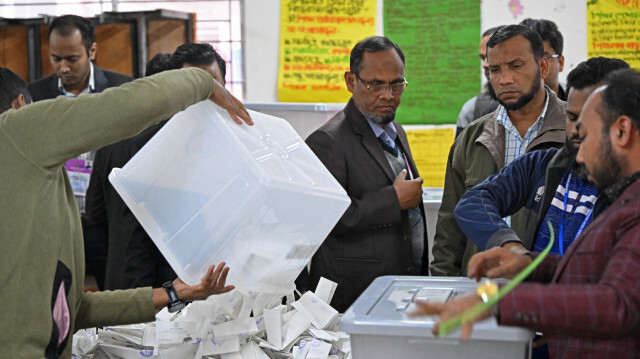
369, 140
53, 86
99, 79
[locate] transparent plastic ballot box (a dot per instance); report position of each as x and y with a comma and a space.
379, 327
208, 190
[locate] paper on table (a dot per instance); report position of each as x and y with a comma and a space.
173, 332
294, 327
217, 345
265, 301
243, 326
236, 355
84, 342
185, 350
300, 351
318, 349
252, 351
247, 306
316, 310
324, 334
126, 353
273, 324
325, 289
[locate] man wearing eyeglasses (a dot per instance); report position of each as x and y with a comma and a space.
553, 42
383, 232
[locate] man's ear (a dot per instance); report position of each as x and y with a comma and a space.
19, 102
561, 63
92, 51
622, 130
350, 80
544, 67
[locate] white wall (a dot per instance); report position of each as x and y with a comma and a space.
261, 31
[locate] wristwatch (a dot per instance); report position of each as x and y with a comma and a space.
175, 304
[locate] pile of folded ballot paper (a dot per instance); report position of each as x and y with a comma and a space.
234, 325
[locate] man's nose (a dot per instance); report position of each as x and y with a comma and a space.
580, 155
387, 94
64, 66
506, 77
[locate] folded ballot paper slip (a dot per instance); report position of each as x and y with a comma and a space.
207, 190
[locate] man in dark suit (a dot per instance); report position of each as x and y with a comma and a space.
383, 231
587, 302
72, 48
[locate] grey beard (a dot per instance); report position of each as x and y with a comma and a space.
377, 119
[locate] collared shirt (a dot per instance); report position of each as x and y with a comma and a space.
515, 145
387, 133
91, 87
615, 190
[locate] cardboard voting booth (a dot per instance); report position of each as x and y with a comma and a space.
380, 328
208, 190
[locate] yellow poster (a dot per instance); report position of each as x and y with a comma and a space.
430, 149
316, 38
613, 30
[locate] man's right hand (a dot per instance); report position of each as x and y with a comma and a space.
224, 99
497, 262
409, 191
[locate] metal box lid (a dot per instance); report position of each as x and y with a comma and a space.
380, 310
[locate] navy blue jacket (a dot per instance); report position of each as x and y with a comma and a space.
529, 182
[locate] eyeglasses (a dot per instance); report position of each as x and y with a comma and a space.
396, 88
551, 56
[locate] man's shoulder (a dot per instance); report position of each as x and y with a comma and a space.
540, 158
336, 124
556, 112
113, 78
475, 128
41, 89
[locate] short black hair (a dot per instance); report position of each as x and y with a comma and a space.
548, 31
593, 72
507, 32
11, 86
371, 44
65, 26
621, 97
197, 54
158, 63
491, 31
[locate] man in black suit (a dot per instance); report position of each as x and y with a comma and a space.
72, 48
383, 232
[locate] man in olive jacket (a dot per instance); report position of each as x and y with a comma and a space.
42, 260
529, 118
